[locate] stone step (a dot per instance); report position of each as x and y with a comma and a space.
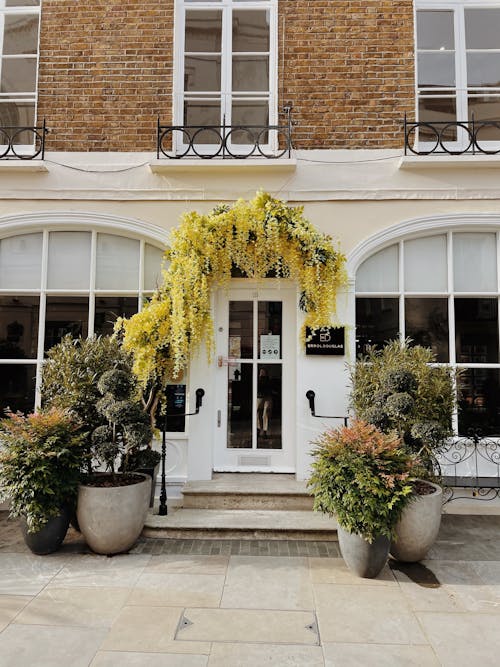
246, 492
182, 523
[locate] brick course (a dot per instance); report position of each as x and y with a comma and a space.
347, 67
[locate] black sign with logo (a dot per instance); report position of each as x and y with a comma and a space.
326, 341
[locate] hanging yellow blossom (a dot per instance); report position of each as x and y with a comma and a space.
261, 237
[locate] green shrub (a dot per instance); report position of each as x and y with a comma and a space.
397, 388
41, 457
363, 477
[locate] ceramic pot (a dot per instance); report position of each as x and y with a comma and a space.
362, 558
418, 527
111, 518
49, 538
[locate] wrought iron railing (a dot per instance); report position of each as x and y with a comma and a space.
471, 462
226, 141
22, 143
451, 138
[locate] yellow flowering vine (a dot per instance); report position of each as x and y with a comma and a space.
260, 238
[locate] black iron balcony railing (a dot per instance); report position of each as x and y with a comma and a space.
452, 138
226, 141
22, 143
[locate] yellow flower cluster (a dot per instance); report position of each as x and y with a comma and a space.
261, 237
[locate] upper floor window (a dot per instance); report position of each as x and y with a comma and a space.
226, 68
458, 70
19, 30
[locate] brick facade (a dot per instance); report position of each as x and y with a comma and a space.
105, 72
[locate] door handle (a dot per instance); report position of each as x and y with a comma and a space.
218, 418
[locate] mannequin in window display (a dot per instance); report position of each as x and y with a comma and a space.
264, 403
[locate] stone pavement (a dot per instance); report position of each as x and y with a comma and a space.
235, 603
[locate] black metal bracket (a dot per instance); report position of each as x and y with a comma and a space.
311, 395
163, 510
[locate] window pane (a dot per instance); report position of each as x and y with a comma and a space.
250, 30
69, 260
239, 406
18, 114
250, 73
202, 73
203, 31
240, 344
269, 406
482, 27
248, 114
476, 330
436, 69
475, 262
437, 110
270, 324
18, 75
203, 112
379, 273
19, 327
153, 259
117, 262
65, 315
483, 69
426, 265
377, 321
426, 323
20, 34
108, 309
485, 109
17, 387
21, 262
435, 30
479, 401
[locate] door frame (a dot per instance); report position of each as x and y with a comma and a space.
257, 460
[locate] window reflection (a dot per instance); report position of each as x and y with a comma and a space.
476, 330
479, 401
17, 387
377, 321
18, 327
426, 323
108, 309
65, 315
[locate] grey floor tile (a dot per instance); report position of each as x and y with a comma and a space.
255, 655
378, 655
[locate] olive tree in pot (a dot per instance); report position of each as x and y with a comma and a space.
112, 506
400, 390
41, 457
362, 477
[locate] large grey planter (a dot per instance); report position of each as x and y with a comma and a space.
364, 559
112, 518
418, 527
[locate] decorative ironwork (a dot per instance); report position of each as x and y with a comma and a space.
163, 510
477, 456
12, 141
311, 396
441, 138
219, 141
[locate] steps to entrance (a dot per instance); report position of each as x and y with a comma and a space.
244, 506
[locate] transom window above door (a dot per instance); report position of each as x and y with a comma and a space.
458, 73
225, 70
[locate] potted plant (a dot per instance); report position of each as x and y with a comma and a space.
112, 506
400, 389
41, 456
362, 477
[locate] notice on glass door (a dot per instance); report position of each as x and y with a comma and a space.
269, 346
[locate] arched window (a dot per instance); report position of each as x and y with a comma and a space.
64, 281
441, 291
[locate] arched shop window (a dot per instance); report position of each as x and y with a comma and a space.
441, 291
58, 282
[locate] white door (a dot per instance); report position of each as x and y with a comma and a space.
256, 346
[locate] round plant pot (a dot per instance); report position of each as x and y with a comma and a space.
49, 538
362, 558
111, 518
418, 527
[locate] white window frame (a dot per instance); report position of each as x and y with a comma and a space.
449, 294
32, 96
460, 90
226, 93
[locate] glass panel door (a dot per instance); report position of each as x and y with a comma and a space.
256, 381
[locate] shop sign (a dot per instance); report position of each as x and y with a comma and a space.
326, 341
